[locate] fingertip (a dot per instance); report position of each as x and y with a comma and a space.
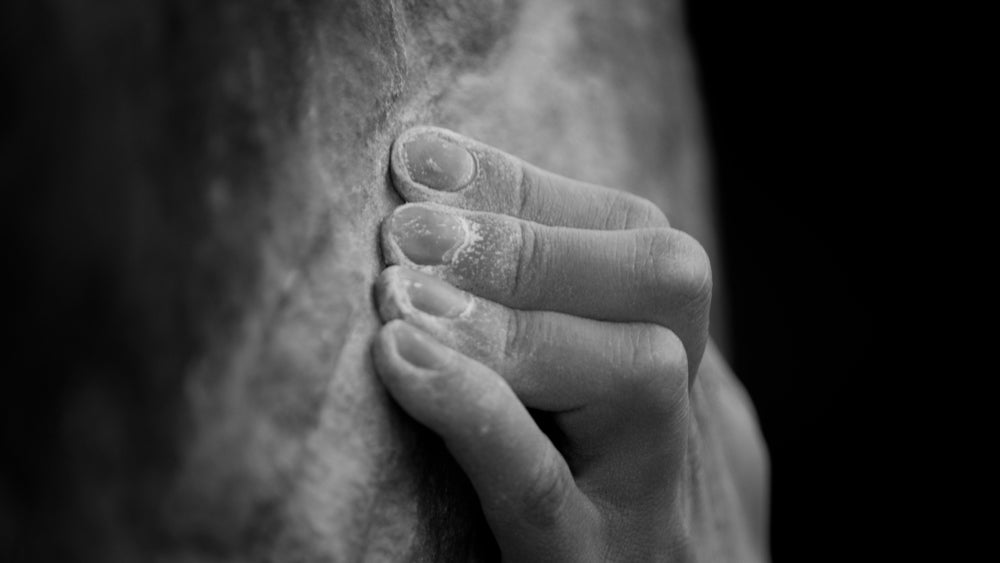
436, 385
411, 350
388, 296
384, 353
401, 181
387, 303
415, 368
683, 282
425, 236
426, 161
391, 253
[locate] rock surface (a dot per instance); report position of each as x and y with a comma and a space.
196, 190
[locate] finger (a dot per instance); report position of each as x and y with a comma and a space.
433, 164
660, 276
618, 390
553, 361
526, 490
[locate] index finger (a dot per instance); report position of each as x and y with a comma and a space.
438, 165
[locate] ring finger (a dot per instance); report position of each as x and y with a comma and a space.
658, 276
630, 376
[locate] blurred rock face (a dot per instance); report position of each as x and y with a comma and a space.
195, 192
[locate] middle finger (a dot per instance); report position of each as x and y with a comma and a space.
660, 276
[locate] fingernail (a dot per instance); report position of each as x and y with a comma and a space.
427, 236
432, 295
417, 349
438, 163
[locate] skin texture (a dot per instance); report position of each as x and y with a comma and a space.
196, 222
622, 472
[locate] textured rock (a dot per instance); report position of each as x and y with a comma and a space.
196, 191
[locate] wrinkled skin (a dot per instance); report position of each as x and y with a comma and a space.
512, 288
200, 190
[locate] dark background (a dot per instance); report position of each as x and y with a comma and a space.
805, 116
811, 133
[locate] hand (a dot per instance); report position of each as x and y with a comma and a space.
513, 288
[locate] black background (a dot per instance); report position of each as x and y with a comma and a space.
811, 121
807, 122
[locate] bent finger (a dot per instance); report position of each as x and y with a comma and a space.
524, 485
434, 164
614, 373
660, 276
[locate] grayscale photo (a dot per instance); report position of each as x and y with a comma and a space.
337, 281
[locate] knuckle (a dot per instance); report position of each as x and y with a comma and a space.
658, 359
640, 212
529, 252
679, 269
659, 386
527, 184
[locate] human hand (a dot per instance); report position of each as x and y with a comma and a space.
513, 288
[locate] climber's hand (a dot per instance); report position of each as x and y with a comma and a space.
513, 288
